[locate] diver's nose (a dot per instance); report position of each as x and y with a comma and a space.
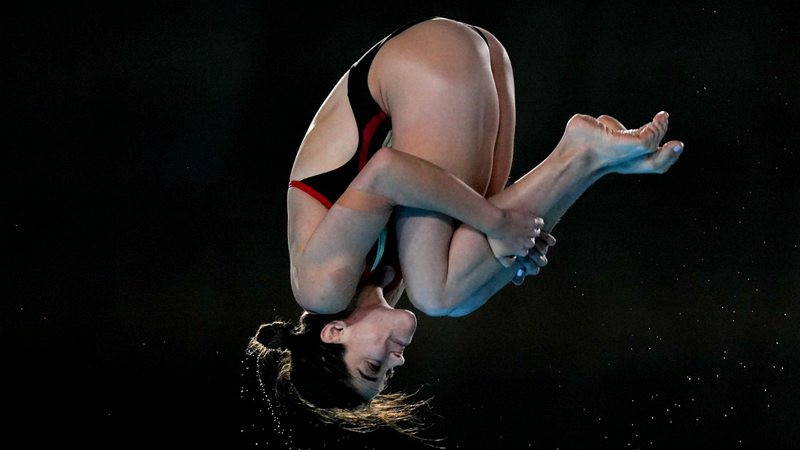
396, 358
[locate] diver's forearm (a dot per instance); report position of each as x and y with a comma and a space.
548, 190
407, 180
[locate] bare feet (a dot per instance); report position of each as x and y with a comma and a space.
621, 150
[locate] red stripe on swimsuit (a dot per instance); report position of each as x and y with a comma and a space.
372, 123
311, 191
366, 137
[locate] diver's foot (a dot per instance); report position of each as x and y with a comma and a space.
617, 149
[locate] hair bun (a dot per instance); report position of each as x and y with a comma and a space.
276, 335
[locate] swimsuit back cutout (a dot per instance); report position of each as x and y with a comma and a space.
374, 127
374, 132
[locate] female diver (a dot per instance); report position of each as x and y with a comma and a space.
400, 183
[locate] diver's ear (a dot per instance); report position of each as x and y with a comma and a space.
332, 332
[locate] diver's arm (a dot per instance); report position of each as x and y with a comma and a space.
473, 275
328, 255
395, 178
589, 149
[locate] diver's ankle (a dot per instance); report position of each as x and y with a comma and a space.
582, 158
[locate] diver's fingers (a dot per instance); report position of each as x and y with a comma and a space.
526, 267
548, 238
537, 257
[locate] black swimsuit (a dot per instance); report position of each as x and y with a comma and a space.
373, 127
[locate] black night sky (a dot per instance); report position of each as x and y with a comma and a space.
146, 151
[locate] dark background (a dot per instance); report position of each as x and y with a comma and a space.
146, 150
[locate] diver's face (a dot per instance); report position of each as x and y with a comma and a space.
374, 342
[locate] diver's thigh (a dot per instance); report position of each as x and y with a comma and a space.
448, 130
443, 102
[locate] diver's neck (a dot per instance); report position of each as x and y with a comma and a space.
369, 297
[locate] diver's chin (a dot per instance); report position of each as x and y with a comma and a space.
406, 333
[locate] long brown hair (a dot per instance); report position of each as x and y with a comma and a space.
313, 375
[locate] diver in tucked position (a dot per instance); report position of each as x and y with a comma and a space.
400, 184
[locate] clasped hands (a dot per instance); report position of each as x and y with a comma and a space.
521, 244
